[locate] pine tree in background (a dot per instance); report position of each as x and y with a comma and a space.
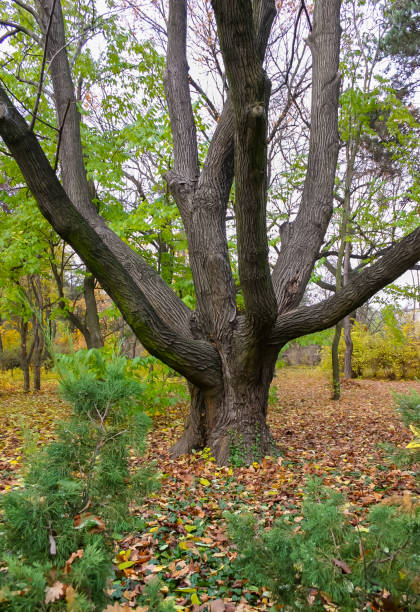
58, 529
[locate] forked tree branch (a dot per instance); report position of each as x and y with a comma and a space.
309, 319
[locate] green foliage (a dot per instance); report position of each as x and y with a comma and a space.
408, 407
164, 388
327, 551
237, 451
153, 598
393, 352
78, 489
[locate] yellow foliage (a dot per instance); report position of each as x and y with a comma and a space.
390, 353
9, 337
416, 442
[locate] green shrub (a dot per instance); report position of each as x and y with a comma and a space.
408, 407
328, 554
77, 489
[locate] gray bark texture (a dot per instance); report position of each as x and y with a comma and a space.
228, 357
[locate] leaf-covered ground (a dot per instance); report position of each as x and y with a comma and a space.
181, 531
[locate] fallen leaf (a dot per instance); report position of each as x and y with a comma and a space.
54, 592
342, 565
73, 556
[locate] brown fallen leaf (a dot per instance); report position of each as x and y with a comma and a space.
217, 605
54, 592
342, 565
87, 518
73, 556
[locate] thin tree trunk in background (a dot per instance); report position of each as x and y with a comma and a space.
347, 320
92, 318
38, 349
336, 362
24, 357
348, 325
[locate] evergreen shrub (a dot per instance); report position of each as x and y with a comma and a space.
58, 529
329, 555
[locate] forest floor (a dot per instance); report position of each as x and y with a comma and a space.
181, 531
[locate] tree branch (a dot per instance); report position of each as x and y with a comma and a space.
210, 106
177, 90
21, 28
309, 319
249, 89
41, 76
29, 9
158, 317
298, 253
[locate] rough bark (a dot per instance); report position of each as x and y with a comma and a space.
301, 239
232, 420
250, 92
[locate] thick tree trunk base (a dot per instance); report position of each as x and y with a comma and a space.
231, 423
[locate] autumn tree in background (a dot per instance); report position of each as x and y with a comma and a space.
377, 174
227, 345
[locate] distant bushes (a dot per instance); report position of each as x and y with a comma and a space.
393, 352
9, 359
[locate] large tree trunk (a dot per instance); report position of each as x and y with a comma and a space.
231, 419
